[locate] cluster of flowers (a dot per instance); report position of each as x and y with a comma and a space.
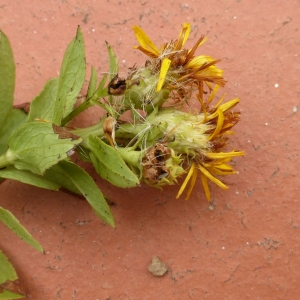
165, 136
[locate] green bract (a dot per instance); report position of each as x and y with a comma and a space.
110, 165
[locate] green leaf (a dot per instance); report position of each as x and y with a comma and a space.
7, 271
38, 146
71, 79
92, 84
7, 295
7, 77
8, 277
42, 106
15, 118
28, 177
13, 224
88, 188
57, 175
110, 165
113, 62
101, 91
83, 153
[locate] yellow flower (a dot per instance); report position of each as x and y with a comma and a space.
214, 162
177, 67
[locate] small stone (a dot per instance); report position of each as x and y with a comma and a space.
157, 267
211, 208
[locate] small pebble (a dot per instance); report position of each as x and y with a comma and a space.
157, 267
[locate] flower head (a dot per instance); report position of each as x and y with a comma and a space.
215, 160
178, 68
173, 140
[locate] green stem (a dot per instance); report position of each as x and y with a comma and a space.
79, 109
131, 157
96, 129
7, 159
129, 131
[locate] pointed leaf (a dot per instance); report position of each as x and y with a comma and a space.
9, 285
57, 175
113, 62
38, 146
92, 84
71, 79
101, 91
110, 165
7, 271
88, 188
42, 106
12, 223
7, 295
7, 77
28, 178
15, 118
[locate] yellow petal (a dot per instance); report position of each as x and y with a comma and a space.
192, 51
230, 104
183, 36
219, 124
205, 186
212, 178
224, 167
217, 171
145, 41
163, 72
192, 184
221, 155
220, 101
187, 32
186, 180
224, 107
212, 94
210, 71
199, 61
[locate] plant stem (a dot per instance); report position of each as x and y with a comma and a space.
96, 129
7, 159
130, 130
131, 157
83, 106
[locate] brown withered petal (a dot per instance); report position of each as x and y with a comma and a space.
13, 286
109, 125
64, 134
117, 86
154, 163
150, 174
23, 106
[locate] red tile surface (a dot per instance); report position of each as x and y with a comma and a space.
248, 246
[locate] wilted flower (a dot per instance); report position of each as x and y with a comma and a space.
162, 142
197, 140
178, 68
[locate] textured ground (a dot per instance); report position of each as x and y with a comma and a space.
248, 246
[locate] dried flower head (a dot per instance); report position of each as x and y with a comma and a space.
178, 68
